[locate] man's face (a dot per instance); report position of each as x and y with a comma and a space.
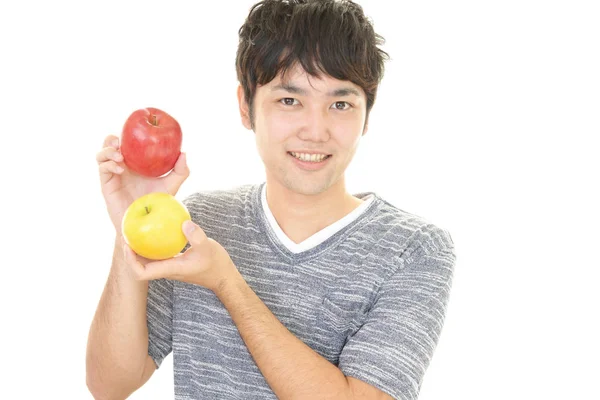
307, 135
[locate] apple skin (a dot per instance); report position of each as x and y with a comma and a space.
152, 226
151, 142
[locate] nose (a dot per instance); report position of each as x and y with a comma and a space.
315, 127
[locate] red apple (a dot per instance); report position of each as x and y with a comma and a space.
151, 142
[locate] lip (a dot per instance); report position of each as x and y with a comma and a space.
309, 165
308, 152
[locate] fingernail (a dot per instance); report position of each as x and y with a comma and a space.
115, 143
188, 226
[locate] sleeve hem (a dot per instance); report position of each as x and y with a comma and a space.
155, 354
367, 378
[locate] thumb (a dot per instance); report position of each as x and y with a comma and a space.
178, 174
194, 234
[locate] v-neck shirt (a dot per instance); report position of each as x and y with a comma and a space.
320, 236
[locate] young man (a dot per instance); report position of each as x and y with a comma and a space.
293, 288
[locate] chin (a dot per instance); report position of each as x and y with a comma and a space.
302, 182
308, 187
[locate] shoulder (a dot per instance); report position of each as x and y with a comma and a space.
221, 199
405, 234
214, 210
236, 193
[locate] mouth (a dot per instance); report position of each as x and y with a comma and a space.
310, 157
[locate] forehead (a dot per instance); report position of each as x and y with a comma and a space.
299, 81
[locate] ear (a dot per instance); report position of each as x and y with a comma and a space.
244, 111
365, 129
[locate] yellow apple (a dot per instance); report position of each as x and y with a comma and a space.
152, 226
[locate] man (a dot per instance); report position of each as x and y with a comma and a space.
293, 288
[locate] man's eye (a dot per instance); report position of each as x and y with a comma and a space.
288, 101
341, 105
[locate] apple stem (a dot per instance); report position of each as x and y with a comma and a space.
153, 121
147, 211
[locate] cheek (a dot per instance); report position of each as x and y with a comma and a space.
276, 127
271, 133
348, 136
280, 129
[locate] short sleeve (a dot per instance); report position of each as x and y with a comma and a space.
159, 314
394, 346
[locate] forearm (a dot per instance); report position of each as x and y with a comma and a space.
117, 346
292, 369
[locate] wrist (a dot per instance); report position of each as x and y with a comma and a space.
120, 267
229, 282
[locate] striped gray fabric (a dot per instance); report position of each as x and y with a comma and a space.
371, 299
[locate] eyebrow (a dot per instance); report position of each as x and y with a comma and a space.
347, 91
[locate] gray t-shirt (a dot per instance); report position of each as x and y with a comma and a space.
371, 299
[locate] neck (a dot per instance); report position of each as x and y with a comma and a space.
301, 216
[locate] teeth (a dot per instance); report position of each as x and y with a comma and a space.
309, 157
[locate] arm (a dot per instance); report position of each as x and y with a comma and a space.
117, 360
397, 340
291, 368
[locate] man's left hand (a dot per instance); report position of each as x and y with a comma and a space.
205, 262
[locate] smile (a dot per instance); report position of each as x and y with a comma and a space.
306, 157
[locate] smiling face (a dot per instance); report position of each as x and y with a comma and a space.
307, 130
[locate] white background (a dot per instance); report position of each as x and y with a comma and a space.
486, 125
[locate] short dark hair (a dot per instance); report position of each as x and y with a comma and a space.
324, 36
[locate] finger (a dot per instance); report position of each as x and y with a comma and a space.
178, 175
111, 141
109, 153
172, 268
194, 234
132, 261
181, 167
108, 169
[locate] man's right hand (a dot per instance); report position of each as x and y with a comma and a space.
121, 186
